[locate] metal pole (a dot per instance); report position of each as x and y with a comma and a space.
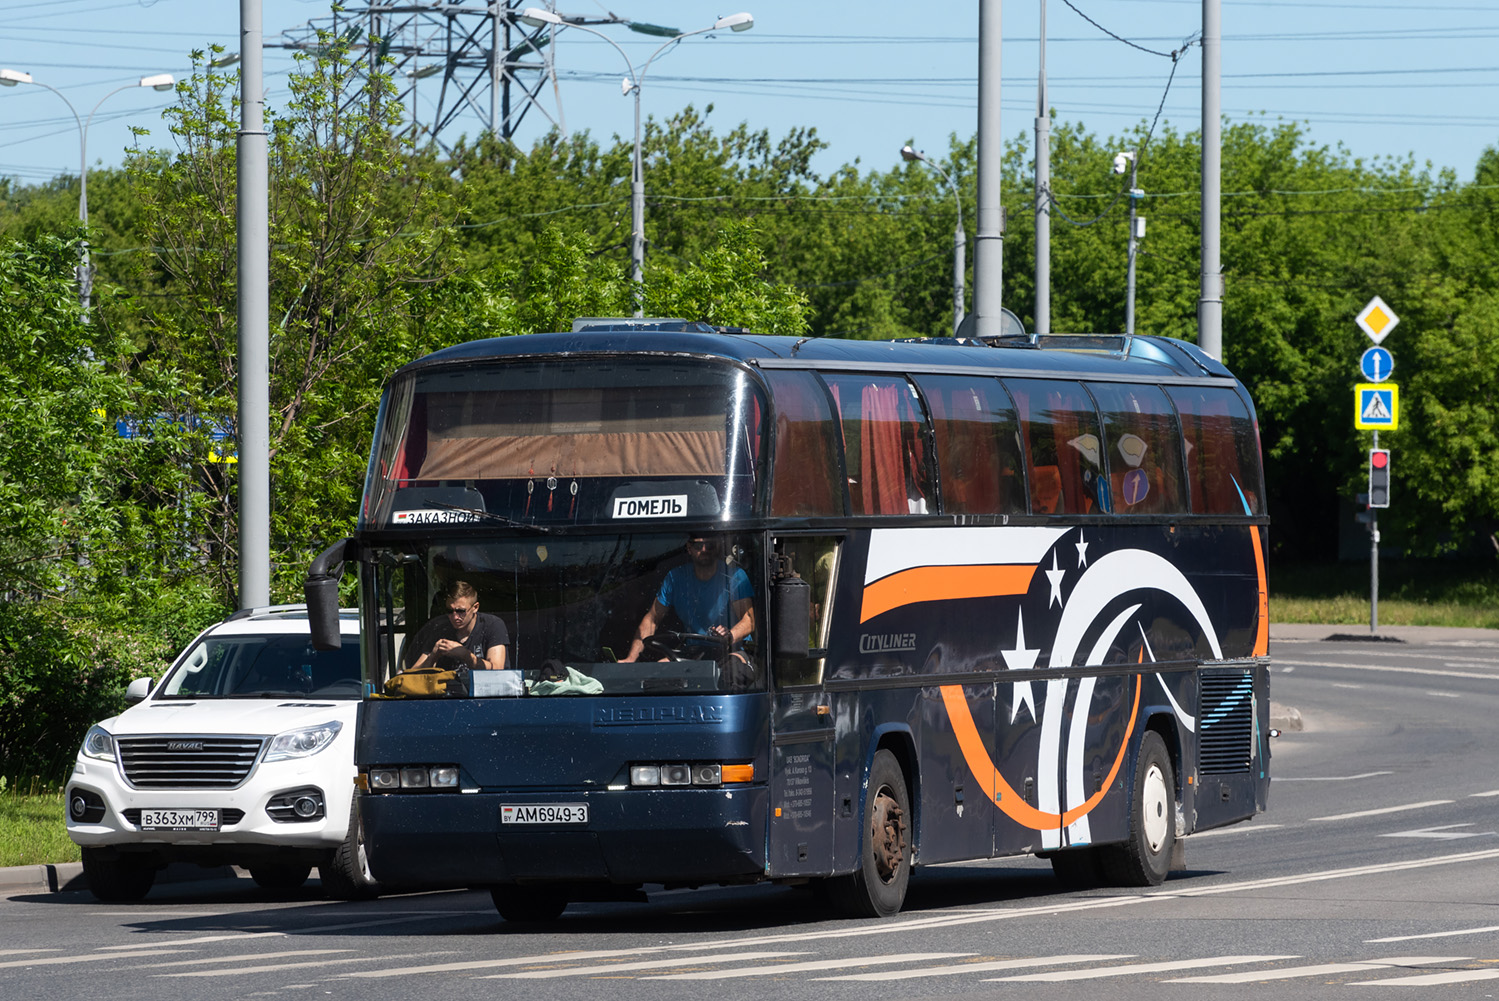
637, 211
1374, 560
254, 324
1210, 302
988, 244
1041, 323
959, 265
1129, 299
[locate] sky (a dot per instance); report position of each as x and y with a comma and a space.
1385, 77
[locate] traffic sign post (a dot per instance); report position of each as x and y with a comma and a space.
1376, 407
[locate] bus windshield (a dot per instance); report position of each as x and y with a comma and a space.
566, 441
572, 612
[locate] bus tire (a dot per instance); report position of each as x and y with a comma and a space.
280, 877
528, 903
116, 878
346, 873
1145, 858
878, 888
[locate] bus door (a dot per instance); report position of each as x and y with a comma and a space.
803, 730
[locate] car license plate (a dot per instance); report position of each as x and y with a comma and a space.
179, 820
545, 813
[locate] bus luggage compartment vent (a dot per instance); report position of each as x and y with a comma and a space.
209, 762
1226, 712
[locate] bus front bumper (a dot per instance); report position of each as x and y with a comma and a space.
677, 836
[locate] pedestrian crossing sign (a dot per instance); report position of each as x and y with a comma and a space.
1376, 406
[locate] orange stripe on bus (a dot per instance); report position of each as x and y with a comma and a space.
1262, 633
994, 784
907, 587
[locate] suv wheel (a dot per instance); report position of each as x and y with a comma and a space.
115, 878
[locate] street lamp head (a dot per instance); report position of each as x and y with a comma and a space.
228, 59
9, 78
161, 81
910, 154
735, 22
538, 17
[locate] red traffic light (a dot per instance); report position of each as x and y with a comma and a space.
1379, 458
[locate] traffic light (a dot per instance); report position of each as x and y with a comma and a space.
1379, 477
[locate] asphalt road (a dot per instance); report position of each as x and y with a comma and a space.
1375, 873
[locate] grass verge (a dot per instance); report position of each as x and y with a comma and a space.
1411, 593
32, 831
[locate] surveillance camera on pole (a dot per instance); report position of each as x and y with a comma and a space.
1123, 160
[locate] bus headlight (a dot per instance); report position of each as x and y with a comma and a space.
412, 777
700, 773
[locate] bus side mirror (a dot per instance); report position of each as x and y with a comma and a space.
321, 591
791, 606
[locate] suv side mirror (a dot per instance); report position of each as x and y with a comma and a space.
138, 689
321, 591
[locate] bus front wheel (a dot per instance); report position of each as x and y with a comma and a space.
1145, 858
878, 888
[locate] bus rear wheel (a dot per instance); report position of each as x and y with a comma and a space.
1145, 858
528, 903
878, 888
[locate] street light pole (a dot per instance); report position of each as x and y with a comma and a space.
537, 17
959, 239
161, 81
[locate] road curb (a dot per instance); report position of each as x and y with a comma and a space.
1285, 717
68, 877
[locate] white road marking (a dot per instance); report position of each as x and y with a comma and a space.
1432, 934
1329, 778
24, 952
772, 970
1235, 829
1432, 979
1442, 833
555, 957
989, 966
1099, 972
278, 967
1318, 877
246, 957
1320, 970
90, 958
1491, 676
1492, 792
1444, 695
1385, 809
609, 969
235, 936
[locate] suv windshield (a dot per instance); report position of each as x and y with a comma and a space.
569, 611
264, 667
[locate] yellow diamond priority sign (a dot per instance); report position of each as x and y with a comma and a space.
1377, 319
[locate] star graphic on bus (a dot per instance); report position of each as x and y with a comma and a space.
1082, 550
1021, 659
1055, 575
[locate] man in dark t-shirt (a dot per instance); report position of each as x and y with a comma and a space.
463, 637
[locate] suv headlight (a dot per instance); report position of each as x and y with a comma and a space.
303, 742
98, 743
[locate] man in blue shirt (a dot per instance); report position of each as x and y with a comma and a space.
710, 597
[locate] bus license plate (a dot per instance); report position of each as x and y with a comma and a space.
179, 820
545, 813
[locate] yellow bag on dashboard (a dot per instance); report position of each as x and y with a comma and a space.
429, 682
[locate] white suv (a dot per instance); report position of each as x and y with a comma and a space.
242, 755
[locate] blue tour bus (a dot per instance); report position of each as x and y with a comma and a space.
983, 599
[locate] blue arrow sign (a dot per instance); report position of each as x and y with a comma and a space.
1377, 364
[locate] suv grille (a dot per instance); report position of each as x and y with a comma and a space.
1226, 710
187, 762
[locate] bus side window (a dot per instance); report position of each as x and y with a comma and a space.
884, 444
1222, 450
815, 559
1061, 431
978, 444
806, 448
1143, 449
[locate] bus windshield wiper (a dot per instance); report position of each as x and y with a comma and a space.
491, 516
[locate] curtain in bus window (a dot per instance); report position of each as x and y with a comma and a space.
978, 444
1143, 447
884, 437
806, 448
1222, 451
1061, 431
